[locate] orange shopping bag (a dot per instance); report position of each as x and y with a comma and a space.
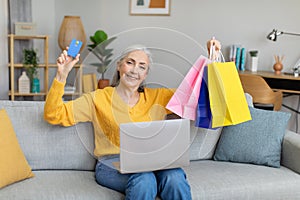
185, 99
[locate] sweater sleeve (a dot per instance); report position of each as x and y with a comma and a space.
167, 95
67, 114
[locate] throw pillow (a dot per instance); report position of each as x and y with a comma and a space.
204, 141
13, 164
257, 141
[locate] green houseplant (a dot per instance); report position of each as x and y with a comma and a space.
30, 63
99, 48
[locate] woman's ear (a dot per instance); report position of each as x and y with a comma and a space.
118, 65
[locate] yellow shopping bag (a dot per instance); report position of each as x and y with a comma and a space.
227, 99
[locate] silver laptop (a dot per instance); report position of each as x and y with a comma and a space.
155, 145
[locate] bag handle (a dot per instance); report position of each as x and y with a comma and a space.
212, 51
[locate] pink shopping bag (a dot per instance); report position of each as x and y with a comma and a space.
185, 99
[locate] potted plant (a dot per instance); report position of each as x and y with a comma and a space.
30, 63
99, 48
253, 60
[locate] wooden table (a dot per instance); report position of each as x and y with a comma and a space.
285, 82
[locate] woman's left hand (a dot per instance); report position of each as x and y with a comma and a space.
216, 44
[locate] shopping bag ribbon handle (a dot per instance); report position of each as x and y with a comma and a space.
212, 51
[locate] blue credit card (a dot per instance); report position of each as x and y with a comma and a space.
74, 48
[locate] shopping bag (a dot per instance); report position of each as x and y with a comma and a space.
227, 99
185, 99
203, 112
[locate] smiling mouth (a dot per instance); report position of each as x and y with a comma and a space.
132, 77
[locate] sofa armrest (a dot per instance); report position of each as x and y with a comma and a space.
291, 151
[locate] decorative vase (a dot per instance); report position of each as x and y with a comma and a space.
278, 64
102, 83
35, 85
71, 28
278, 67
24, 83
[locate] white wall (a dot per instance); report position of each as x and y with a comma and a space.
231, 21
43, 14
4, 52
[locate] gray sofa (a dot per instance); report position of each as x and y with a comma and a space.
61, 159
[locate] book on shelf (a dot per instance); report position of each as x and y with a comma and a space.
69, 89
238, 56
243, 59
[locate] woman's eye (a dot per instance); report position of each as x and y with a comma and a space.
142, 67
129, 62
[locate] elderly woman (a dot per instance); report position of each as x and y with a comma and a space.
126, 101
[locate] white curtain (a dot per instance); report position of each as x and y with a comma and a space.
4, 70
19, 11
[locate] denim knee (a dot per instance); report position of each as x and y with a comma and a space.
110, 177
172, 184
141, 186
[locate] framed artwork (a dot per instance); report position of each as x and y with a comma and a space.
150, 7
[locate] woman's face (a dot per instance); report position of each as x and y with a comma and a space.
133, 69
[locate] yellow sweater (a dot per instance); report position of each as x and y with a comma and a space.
106, 110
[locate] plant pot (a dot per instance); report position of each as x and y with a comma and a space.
102, 83
253, 63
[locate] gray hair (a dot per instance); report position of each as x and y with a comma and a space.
125, 53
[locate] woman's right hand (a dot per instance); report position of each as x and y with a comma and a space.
65, 64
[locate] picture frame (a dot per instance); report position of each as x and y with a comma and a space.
150, 7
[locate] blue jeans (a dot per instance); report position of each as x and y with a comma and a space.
167, 184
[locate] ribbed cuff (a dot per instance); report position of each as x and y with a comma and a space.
58, 86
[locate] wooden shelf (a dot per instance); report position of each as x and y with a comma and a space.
72, 94
53, 65
27, 37
19, 65
13, 66
44, 65
28, 94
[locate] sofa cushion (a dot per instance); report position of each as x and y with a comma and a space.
59, 185
49, 146
257, 141
13, 164
209, 180
203, 142
291, 151
214, 180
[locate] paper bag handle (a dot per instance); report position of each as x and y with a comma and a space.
212, 51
